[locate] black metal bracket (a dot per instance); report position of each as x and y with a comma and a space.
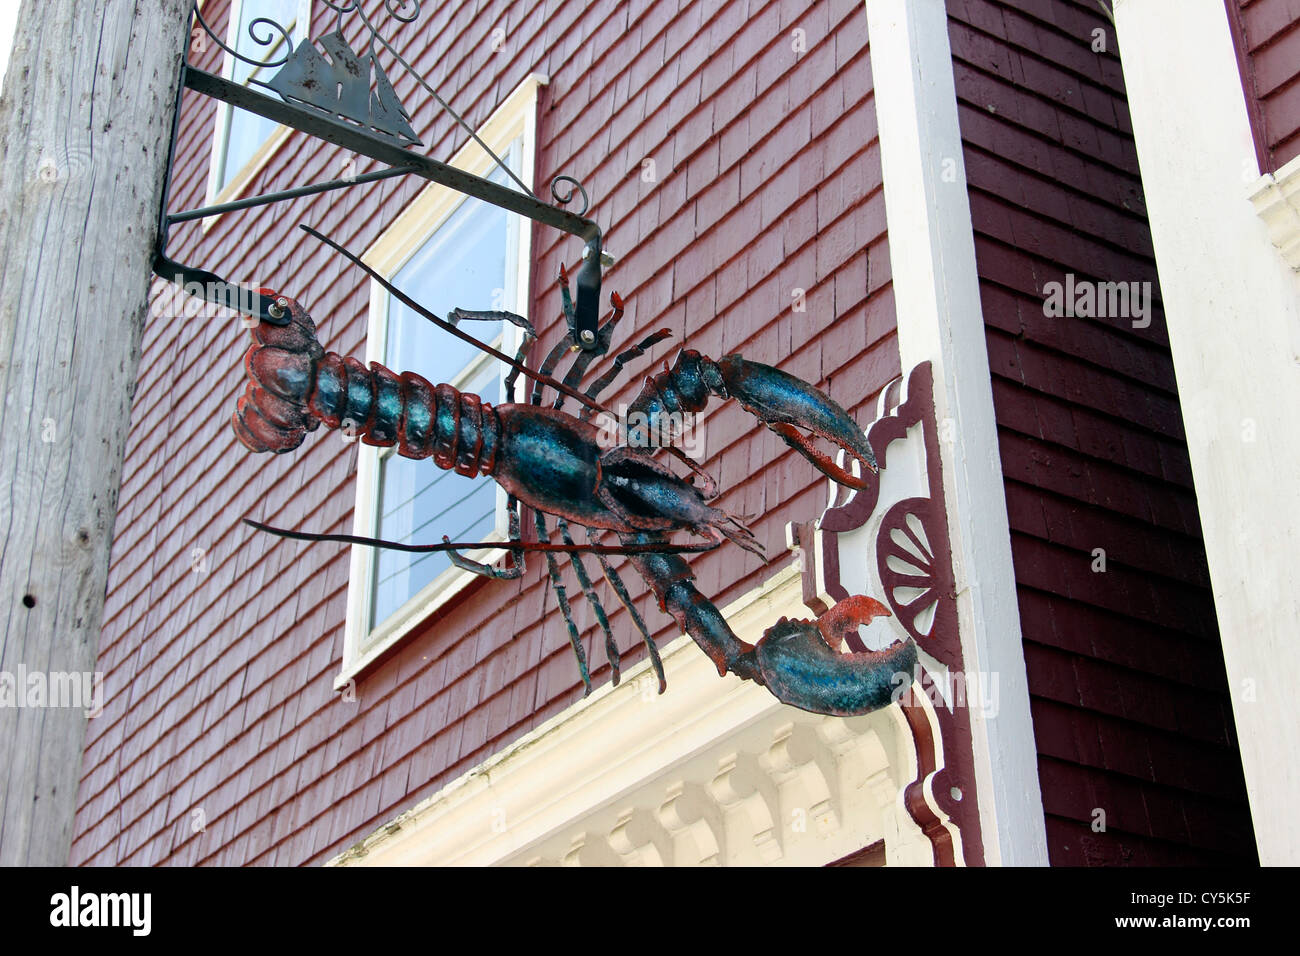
217, 290
382, 134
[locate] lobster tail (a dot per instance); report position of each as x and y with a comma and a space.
294, 385
280, 365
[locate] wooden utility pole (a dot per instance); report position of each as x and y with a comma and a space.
85, 121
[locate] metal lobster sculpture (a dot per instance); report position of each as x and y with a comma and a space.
554, 463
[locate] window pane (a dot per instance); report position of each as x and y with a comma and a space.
419, 503
463, 264
246, 132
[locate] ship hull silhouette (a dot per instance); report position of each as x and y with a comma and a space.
340, 88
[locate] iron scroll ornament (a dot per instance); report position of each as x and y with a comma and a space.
319, 90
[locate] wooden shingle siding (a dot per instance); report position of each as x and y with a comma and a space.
222, 740
1128, 693
1267, 36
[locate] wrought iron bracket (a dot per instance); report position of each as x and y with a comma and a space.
359, 141
328, 122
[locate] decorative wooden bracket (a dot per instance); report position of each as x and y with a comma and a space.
890, 540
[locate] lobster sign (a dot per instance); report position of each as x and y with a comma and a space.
555, 463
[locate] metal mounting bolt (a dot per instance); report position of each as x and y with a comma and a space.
587, 336
277, 308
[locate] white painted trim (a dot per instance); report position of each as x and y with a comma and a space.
1276, 198
515, 120
579, 788
940, 320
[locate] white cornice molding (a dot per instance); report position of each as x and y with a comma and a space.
715, 771
1276, 197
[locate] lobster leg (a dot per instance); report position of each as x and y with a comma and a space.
566, 297
576, 370
456, 316
548, 366
620, 589
606, 334
488, 570
508, 393
611, 649
557, 351
673, 583
620, 360
562, 597
572, 378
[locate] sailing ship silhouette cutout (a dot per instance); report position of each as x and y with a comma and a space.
340, 88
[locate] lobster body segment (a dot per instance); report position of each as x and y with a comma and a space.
295, 385
550, 450
556, 464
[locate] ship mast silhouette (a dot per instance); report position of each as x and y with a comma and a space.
341, 88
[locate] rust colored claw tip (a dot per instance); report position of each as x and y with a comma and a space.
844, 618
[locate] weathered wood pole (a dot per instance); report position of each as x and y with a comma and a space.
85, 121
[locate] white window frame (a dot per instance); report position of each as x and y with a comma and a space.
514, 120
216, 193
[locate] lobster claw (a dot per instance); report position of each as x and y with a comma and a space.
801, 665
787, 404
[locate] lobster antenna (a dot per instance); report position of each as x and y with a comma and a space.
448, 327
507, 545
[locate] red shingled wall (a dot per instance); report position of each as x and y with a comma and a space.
1128, 694
1267, 37
219, 708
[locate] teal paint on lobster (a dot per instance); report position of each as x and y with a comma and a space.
557, 453
552, 462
